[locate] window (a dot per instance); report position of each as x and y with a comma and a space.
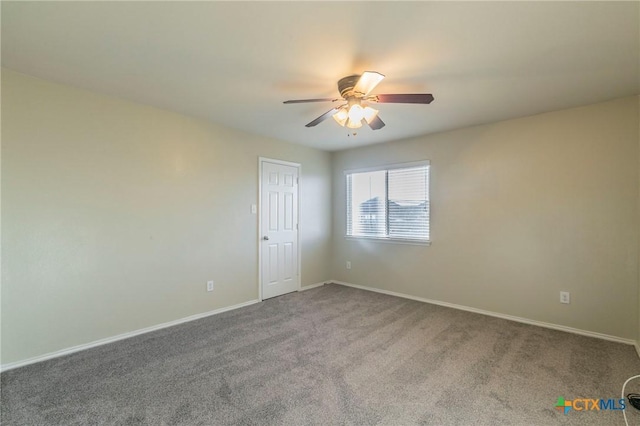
390, 203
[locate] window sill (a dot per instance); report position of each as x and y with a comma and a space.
390, 240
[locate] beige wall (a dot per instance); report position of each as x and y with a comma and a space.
521, 209
116, 214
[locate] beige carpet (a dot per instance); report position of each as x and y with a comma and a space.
331, 355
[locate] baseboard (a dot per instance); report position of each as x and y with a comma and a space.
67, 351
498, 315
310, 286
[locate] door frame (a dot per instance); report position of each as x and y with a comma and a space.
261, 161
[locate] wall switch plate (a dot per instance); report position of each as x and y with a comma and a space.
565, 297
254, 209
209, 285
348, 264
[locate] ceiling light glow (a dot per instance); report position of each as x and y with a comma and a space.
354, 124
341, 116
369, 114
356, 113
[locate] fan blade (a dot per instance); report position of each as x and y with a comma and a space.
322, 117
376, 123
301, 101
367, 82
408, 98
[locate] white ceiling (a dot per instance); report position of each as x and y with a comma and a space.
235, 62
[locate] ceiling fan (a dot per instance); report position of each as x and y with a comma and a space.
356, 112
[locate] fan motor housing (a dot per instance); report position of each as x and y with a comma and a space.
346, 85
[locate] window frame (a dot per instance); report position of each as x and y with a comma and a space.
387, 167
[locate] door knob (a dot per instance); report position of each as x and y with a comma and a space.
266, 238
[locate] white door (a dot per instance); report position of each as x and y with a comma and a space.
279, 226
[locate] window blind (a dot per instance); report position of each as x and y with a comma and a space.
408, 203
389, 203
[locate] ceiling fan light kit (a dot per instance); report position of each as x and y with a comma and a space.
355, 113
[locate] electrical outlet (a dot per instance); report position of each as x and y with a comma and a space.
565, 297
348, 264
209, 285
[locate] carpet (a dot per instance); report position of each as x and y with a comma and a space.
330, 355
